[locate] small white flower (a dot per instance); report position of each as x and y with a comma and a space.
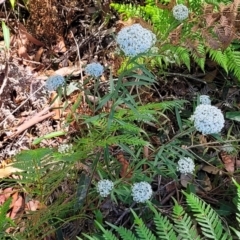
104, 187
54, 82
135, 39
186, 165
205, 99
208, 119
94, 69
229, 148
141, 192
65, 148
180, 12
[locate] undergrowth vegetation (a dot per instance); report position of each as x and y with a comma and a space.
130, 155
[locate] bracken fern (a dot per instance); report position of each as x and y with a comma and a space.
180, 226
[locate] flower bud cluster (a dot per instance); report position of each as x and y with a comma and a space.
180, 12
135, 39
208, 119
205, 99
54, 82
186, 165
141, 192
65, 148
104, 187
94, 69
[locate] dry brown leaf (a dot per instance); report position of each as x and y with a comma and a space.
16, 205
211, 169
7, 171
34, 205
186, 179
229, 161
125, 172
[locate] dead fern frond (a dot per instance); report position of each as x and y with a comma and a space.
175, 35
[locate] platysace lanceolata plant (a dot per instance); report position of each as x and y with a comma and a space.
94, 69
54, 82
180, 12
186, 165
141, 192
208, 119
104, 187
205, 99
135, 39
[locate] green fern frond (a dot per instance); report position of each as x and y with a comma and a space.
183, 224
124, 233
219, 57
233, 63
107, 235
183, 56
143, 232
207, 218
165, 229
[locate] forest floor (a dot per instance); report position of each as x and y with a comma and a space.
51, 41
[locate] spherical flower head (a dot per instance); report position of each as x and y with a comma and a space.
135, 39
94, 69
104, 187
186, 165
141, 192
205, 99
180, 12
54, 82
229, 148
65, 148
208, 119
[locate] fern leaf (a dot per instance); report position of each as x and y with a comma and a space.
207, 218
183, 224
108, 235
165, 229
219, 57
233, 62
143, 232
123, 232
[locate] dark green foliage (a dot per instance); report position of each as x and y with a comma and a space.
181, 225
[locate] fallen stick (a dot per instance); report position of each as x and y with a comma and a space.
35, 119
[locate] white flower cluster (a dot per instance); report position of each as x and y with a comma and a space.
135, 39
229, 148
104, 187
94, 69
65, 148
186, 165
205, 99
180, 12
141, 192
54, 82
208, 119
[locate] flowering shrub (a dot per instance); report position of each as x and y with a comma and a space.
205, 99
104, 187
141, 192
208, 119
54, 82
186, 165
135, 39
180, 12
94, 69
